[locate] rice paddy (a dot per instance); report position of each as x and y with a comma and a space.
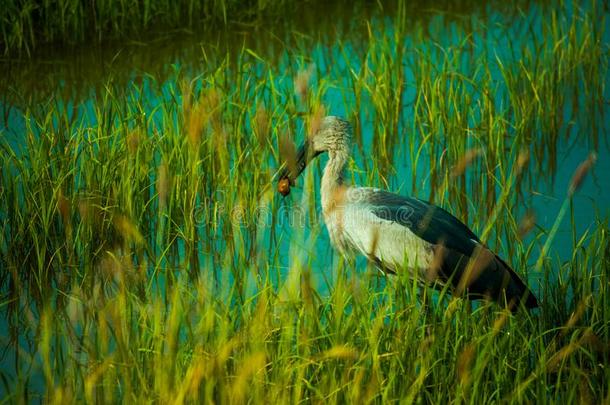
146, 255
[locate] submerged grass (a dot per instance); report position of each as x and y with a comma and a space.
146, 257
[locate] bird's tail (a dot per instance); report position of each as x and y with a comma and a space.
486, 275
516, 290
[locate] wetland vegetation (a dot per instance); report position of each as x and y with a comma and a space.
146, 256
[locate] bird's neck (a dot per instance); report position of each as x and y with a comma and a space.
332, 179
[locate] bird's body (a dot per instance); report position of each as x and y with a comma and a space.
354, 227
405, 234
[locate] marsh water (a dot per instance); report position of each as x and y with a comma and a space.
333, 49
324, 40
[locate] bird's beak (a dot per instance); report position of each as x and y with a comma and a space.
291, 172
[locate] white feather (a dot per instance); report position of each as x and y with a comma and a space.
354, 228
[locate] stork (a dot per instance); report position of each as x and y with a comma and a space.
399, 233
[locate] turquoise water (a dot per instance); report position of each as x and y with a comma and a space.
148, 71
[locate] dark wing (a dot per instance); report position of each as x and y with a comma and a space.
457, 243
429, 222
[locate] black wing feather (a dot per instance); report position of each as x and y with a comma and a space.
429, 222
435, 225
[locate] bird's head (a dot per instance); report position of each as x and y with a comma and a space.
333, 136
